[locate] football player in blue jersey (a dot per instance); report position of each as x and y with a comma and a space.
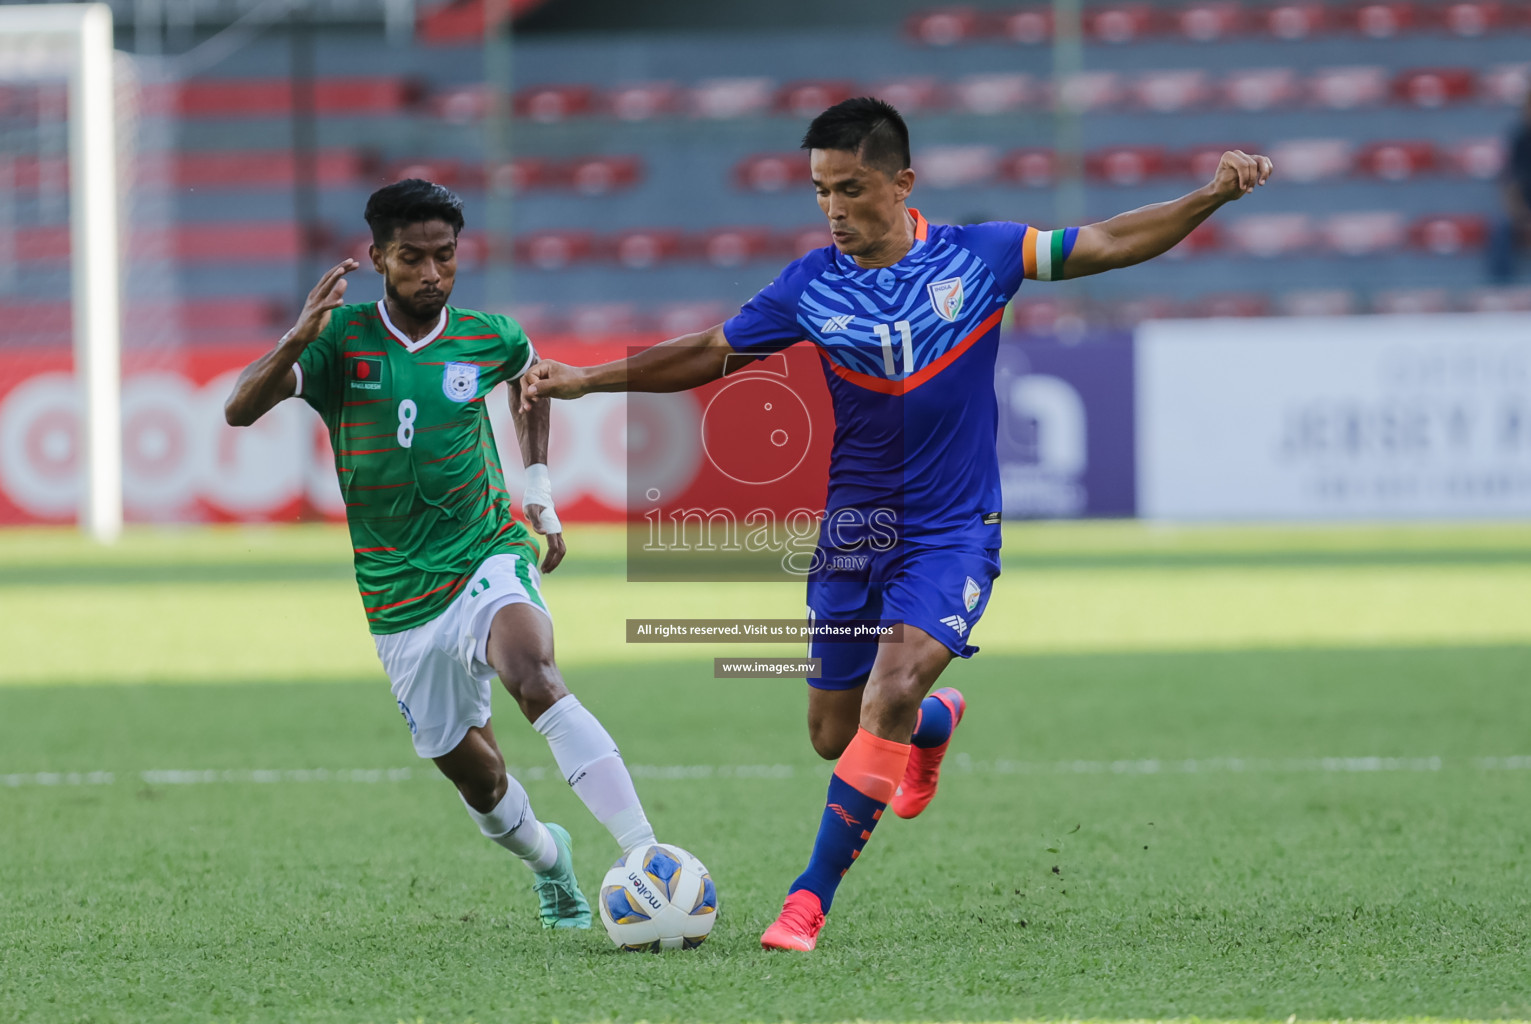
906, 315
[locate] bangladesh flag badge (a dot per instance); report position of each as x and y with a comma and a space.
365, 373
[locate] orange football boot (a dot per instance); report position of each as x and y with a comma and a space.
924, 770
798, 925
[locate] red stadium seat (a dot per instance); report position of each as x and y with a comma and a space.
1120, 24
728, 98
525, 174
264, 168
1032, 26
1384, 20
1296, 21
1506, 83
555, 250
1470, 20
1306, 160
1204, 238
679, 318
1412, 301
463, 105
1362, 234
644, 101
1348, 88
1397, 161
945, 27
549, 104
806, 240
1435, 87
442, 171
1500, 300
956, 166
1201, 162
809, 99
1262, 89
599, 175
1449, 234
1269, 234
1171, 91
772, 172
920, 95
237, 242
603, 318
1231, 304
994, 94
1090, 90
640, 250
1318, 302
1033, 168
272, 97
733, 247
1127, 165
1209, 22
1477, 158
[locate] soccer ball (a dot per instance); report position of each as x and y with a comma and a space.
658, 897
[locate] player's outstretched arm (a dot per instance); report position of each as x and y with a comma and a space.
1144, 233
533, 424
675, 365
271, 378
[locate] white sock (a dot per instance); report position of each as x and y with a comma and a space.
513, 825
590, 760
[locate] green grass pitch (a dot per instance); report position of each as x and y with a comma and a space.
1214, 773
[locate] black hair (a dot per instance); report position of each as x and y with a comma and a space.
411, 201
868, 127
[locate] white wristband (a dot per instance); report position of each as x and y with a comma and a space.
538, 490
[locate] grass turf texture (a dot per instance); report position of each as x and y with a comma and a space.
1216, 894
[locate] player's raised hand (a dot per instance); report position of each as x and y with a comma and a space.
328, 294
1238, 173
550, 379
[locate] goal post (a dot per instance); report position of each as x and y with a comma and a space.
74, 41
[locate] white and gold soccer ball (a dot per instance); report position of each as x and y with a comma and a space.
658, 897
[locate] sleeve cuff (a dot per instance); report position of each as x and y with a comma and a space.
298, 370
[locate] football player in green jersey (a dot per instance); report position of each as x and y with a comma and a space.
449, 579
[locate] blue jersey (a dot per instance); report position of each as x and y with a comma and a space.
908, 352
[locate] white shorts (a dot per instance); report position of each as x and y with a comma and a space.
439, 671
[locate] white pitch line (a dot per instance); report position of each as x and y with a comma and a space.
961, 763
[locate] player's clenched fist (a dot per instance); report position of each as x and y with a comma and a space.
328, 294
549, 379
1238, 173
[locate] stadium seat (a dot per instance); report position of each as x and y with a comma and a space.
443, 171
1308, 160
1127, 165
1449, 234
805, 240
956, 166
1205, 237
1120, 24
538, 318
272, 97
728, 98
1230, 304
772, 172
640, 250
807, 99
600, 175
1295, 22
526, 173
1469, 20
1131, 312
1210, 22
944, 27
1411, 301
1032, 168
679, 318
1258, 89
1318, 302
994, 94
645, 101
1397, 161
1269, 234
1507, 84
1201, 162
1029, 27
555, 250
1363, 233
1169, 92
1090, 91
604, 319
1430, 88
917, 95
264, 168
1346, 88
550, 104
1477, 158
733, 247
463, 105
1384, 20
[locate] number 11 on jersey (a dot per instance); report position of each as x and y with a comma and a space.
902, 327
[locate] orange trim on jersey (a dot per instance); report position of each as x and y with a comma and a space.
909, 383
1029, 252
873, 765
419, 597
921, 226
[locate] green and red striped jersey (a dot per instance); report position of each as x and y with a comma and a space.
424, 490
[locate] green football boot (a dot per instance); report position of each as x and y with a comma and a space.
562, 904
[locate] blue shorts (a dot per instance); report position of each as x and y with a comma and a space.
941, 590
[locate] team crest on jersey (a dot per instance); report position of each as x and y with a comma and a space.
946, 298
460, 381
970, 594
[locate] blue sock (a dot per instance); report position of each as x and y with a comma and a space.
845, 828
934, 726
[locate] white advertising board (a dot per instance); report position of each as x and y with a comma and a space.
1374, 417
